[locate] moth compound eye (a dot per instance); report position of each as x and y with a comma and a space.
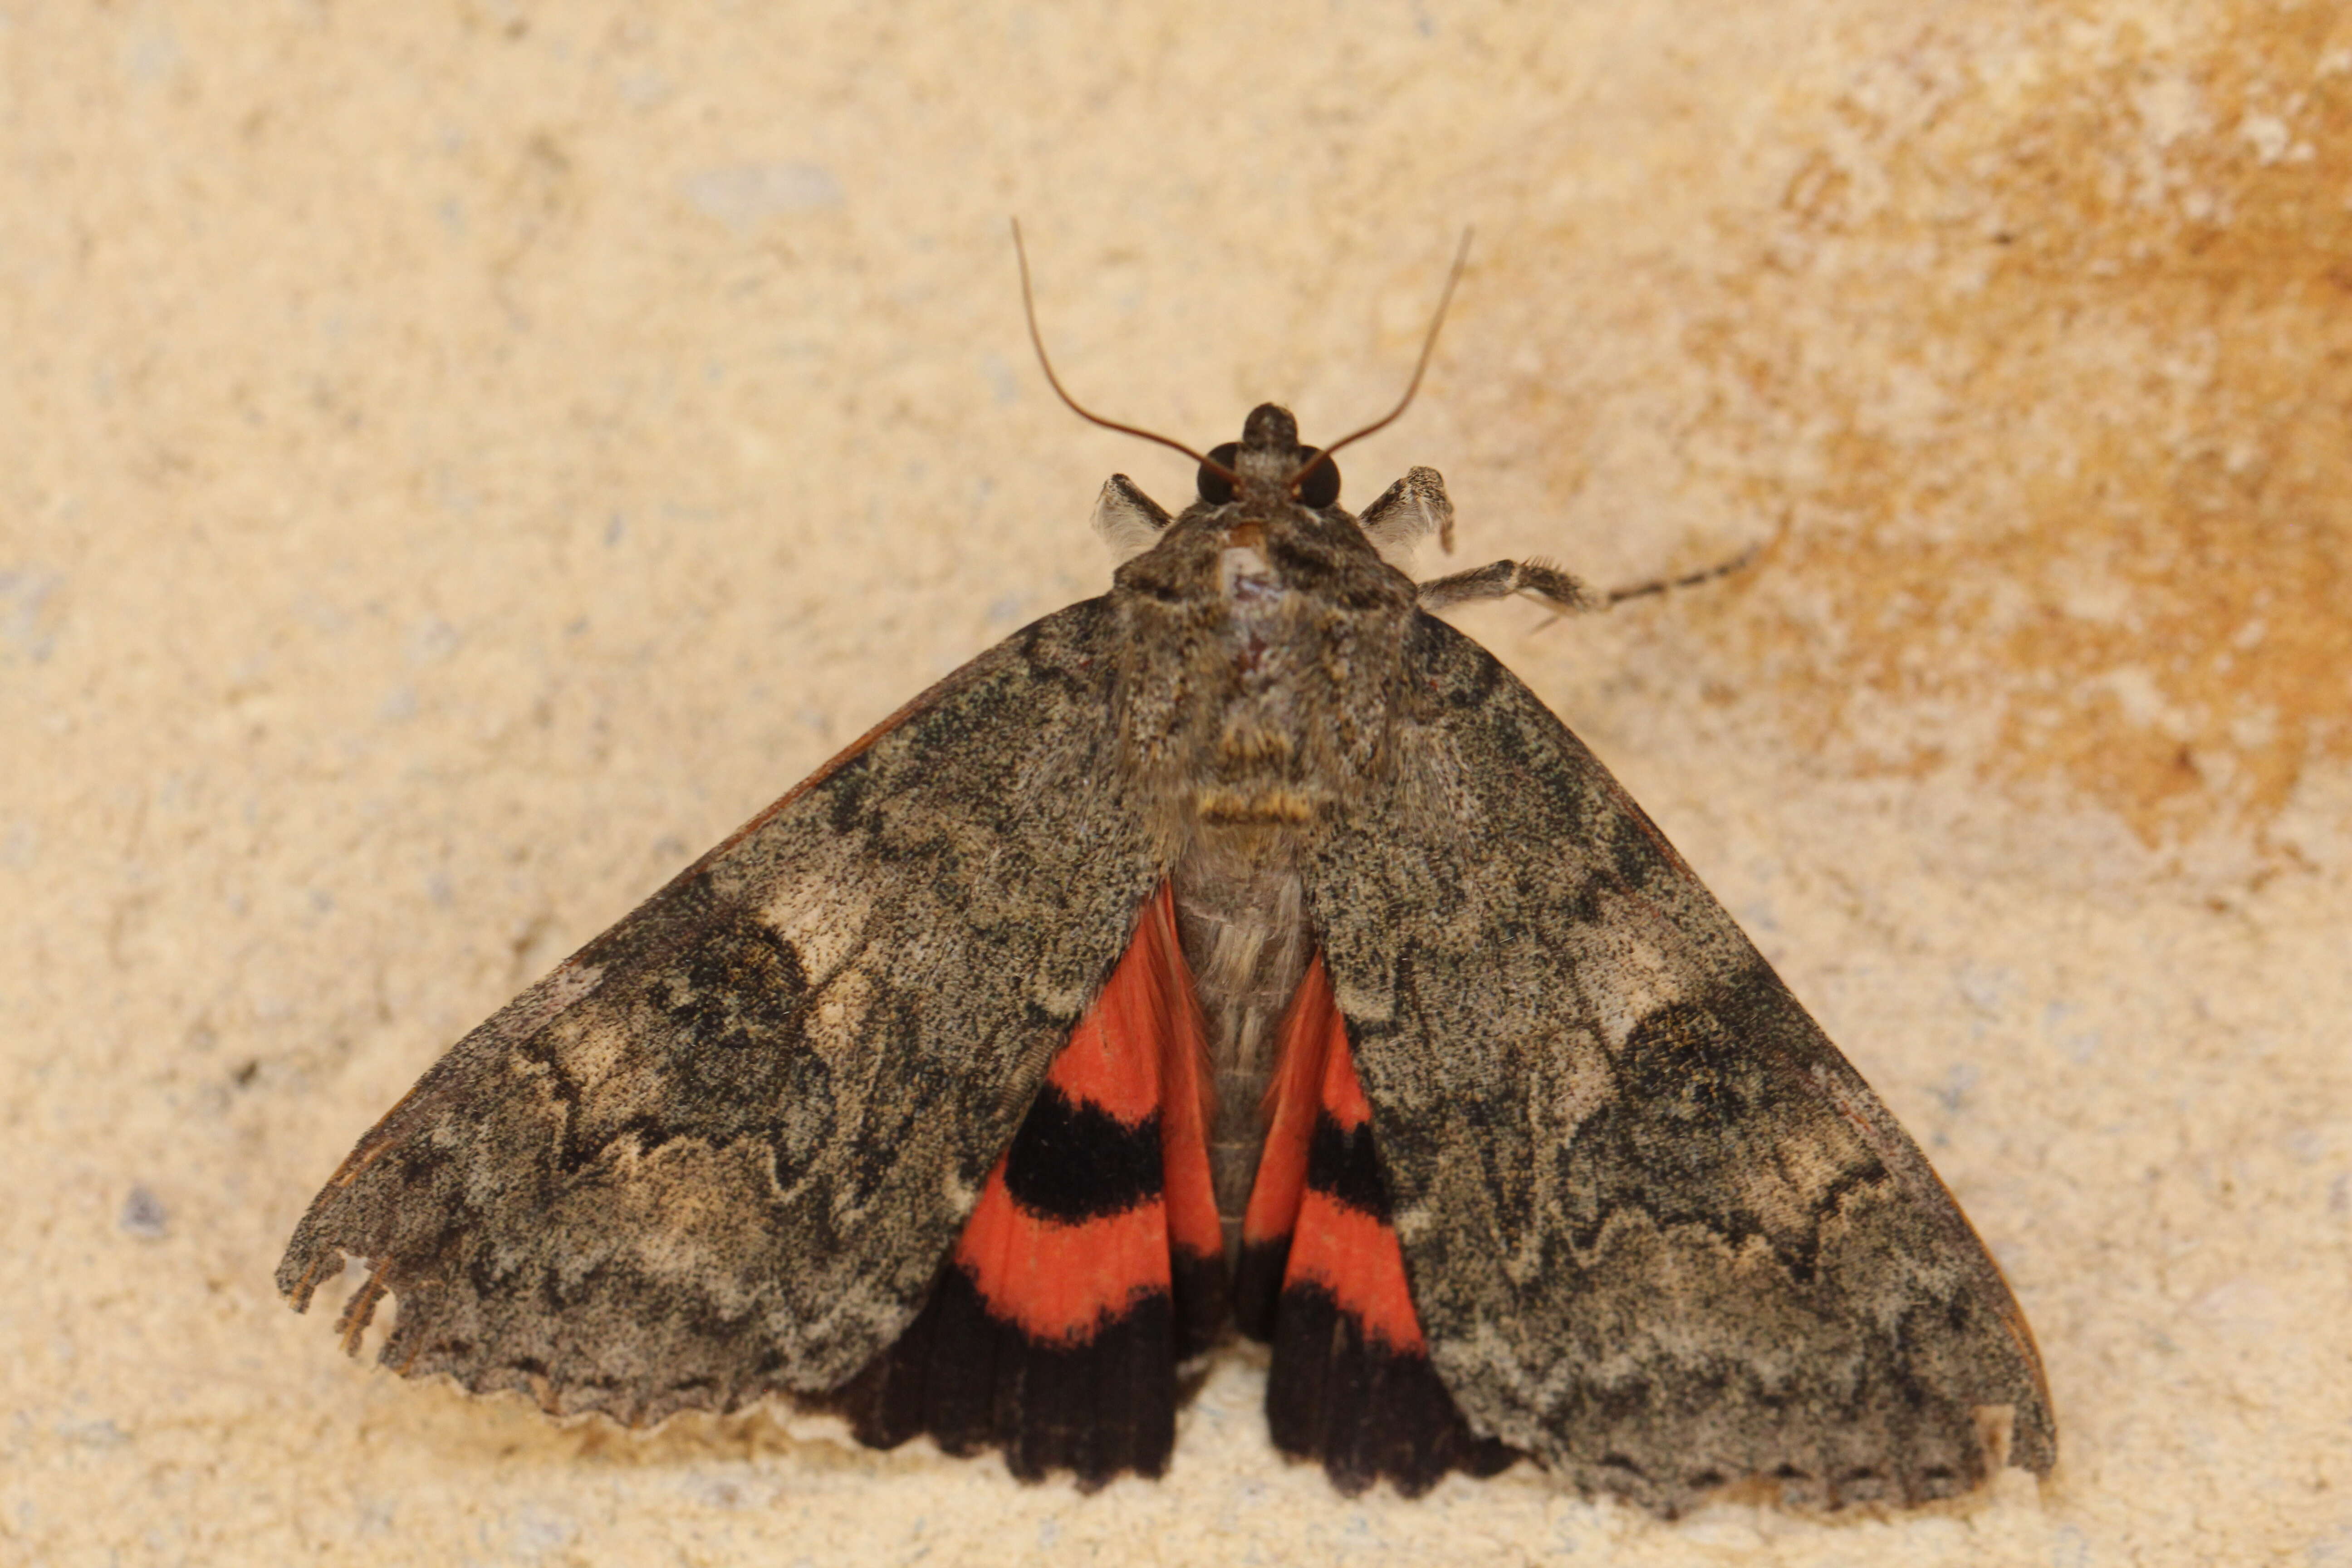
1215, 488
1320, 487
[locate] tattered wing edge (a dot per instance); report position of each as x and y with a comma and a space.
566, 984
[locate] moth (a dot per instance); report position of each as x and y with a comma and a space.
1242, 951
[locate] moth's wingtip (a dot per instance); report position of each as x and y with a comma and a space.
310, 1259
306, 1261
360, 1310
2019, 1436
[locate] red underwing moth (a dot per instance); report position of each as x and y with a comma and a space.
1244, 950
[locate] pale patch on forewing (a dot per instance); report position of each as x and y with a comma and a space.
529, 1012
1063, 1001
1810, 1167
1626, 969
557, 992
1861, 1111
959, 1195
1578, 1080
594, 1046
823, 921
1363, 1006
837, 1019
690, 1216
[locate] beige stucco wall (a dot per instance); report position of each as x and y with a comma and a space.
457, 460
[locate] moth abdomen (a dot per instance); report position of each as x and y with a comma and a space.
1270, 805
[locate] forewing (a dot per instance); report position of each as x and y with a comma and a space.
1659, 1232
723, 1149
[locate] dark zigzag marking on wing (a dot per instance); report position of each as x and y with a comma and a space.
732, 1013
1686, 1081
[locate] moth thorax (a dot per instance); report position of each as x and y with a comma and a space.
1257, 769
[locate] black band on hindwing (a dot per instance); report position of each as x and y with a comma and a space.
1074, 1162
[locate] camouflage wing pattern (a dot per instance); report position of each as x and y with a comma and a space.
723, 1149
1659, 1232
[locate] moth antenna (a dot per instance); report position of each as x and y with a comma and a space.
1037, 342
1428, 347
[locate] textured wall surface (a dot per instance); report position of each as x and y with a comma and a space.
457, 460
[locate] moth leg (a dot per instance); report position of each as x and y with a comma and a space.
1409, 512
1568, 593
1563, 592
1688, 579
1127, 520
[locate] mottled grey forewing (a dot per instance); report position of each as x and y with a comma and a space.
1659, 1232
724, 1149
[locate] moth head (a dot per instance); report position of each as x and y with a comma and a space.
1266, 469
1266, 466
1268, 460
